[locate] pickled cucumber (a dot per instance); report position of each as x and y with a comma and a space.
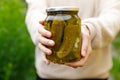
47, 25
76, 49
70, 34
57, 31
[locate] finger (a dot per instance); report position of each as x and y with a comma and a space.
85, 58
44, 59
82, 61
85, 42
44, 49
89, 49
44, 32
41, 22
46, 41
47, 61
76, 64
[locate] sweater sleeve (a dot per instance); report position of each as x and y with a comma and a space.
35, 13
106, 25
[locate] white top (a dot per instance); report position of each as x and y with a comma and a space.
103, 19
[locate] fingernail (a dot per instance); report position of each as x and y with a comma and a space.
51, 42
49, 52
84, 53
48, 34
47, 62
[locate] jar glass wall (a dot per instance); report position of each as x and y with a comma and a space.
65, 26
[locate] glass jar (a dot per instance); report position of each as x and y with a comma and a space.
65, 26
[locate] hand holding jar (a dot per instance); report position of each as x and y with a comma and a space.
63, 26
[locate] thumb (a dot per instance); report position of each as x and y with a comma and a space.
85, 41
41, 22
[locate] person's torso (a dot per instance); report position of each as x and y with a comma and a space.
98, 63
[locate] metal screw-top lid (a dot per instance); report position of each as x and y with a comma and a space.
62, 8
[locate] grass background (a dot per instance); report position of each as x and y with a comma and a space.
17, 49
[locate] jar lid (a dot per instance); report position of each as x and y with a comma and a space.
62, 8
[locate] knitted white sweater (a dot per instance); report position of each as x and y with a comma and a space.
103, 19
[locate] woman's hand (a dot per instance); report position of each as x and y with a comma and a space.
44, 41
85, 48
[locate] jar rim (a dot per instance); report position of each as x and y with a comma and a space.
62, 8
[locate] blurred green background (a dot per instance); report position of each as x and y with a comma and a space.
17, 49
